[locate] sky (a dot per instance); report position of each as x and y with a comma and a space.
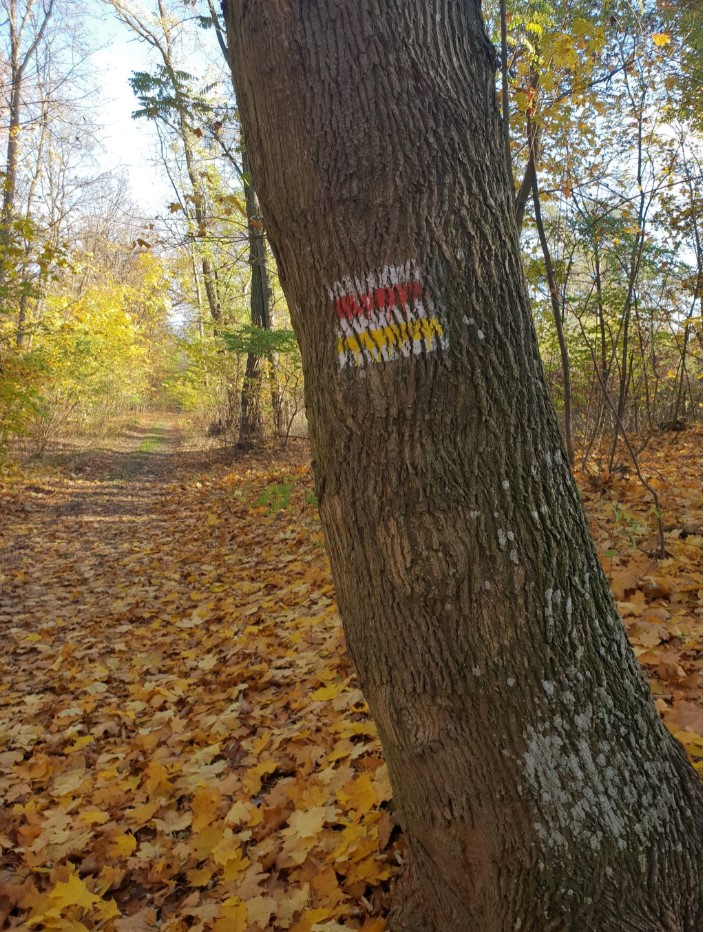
127, 144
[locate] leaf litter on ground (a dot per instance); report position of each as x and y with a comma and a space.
183, 744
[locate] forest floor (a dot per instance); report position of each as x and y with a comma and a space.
183, 744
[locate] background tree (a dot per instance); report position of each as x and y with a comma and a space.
596, 99
199, 124
513, 715
26, 25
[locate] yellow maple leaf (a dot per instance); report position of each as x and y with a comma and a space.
309, 823
239, 814
359, 794
327, 692
227, 854
233, 866
204, 842
73, 892
206, 801
253, 779
122, 846
157, 779
80, 742
292, 902
259, 910
661, 38
233, 916
374, 925
199, 877
326, 886
140, 815
94, 817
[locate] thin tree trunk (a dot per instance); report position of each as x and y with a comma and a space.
644, 367
526, 186
605, 367
199, 296
535, 783
634, 269
198, 195
679, 396
557, 317
18, 65
23, 314
261, 299
261, 296
505, 108
10, 175
533, 138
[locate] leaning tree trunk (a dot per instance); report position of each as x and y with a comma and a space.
535, 783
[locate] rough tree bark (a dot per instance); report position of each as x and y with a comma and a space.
535, 783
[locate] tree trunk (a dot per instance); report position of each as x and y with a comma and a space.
17, 25
12, 156
261, 295
251, 422
535, 784
605, 364
557, 317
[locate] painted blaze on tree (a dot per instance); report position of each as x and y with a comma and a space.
535, 783
385, 315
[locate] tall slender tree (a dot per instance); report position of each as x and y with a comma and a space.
165, 96
536, 786
261, 300
26, 23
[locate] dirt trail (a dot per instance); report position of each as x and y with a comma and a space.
65, 538
167, 614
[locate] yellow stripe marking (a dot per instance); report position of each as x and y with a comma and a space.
393, 336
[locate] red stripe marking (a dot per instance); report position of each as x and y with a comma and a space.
363, 305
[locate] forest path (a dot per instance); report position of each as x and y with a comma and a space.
68, 530
173, 667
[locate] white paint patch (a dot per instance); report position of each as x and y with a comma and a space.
587, 786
